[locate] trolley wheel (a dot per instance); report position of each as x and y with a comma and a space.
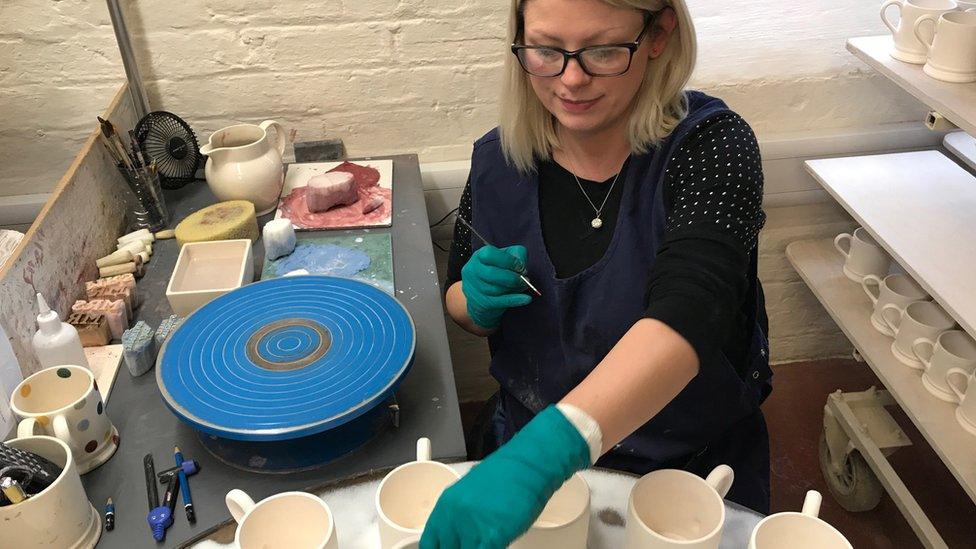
855, 488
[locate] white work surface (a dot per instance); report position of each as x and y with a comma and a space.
921, 207
356, 518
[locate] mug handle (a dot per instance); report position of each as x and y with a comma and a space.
876, 280
959, 393
720, 479
239, 504
899, 314
918, 26
841, 237
61, 429
279, 142
423, 449
884, 14
924, 357
29, 427
811, 504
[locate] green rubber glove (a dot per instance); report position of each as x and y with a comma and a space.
491, 284
500, 498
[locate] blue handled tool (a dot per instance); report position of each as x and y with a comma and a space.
184, 485
160, 517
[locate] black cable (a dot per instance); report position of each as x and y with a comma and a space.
443, 219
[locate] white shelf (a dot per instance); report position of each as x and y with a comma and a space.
819, 264
921, 207
963, 146
957, 102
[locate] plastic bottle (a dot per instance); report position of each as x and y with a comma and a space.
56, 343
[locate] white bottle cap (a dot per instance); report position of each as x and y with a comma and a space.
47, 320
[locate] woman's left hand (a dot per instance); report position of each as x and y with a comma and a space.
500, 498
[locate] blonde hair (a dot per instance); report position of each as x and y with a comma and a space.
528, 130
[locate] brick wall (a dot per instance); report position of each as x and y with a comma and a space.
385, 75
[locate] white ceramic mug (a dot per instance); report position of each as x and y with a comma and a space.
863, 255
64, 402
894, 289
564, 523
921, 319
907, 48
60, 515
407, 496
966, 5
282, 521
963, 386
952, 50
803, 530
670, 508
953, 349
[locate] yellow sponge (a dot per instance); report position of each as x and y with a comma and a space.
223, 221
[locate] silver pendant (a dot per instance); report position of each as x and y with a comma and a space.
597, 223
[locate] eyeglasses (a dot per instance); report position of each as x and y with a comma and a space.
606, 60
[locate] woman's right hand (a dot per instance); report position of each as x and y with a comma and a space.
491, 283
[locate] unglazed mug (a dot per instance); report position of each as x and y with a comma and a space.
963, 386
951, 54
58, 516
894, 289
670, 508
863, 255
407, 495
953, 349
64, 402
803, 530
921, 319
907, 48
282, 521
564, 523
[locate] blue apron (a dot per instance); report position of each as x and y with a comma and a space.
542, 351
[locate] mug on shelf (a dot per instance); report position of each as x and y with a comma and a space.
64, 402
564, 523
963, 386
803, 530
907, 47
921, 319
894, 289
282, 521
407, 495
951, 53
863, 255
670, 508
953, 349
58, 516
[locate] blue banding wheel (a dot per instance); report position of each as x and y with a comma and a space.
286, 358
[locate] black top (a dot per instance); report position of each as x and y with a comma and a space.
706, 266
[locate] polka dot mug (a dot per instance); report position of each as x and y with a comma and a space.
64, 402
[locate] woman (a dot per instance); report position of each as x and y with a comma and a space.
633, 207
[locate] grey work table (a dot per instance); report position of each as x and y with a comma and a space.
427, 397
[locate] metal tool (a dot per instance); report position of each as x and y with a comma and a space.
524, 278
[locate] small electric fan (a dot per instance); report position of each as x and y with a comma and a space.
168, 140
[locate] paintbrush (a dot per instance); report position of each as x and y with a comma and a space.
524, 278
108, 130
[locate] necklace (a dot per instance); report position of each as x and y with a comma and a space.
597, 220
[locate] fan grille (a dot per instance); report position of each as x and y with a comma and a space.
170, 141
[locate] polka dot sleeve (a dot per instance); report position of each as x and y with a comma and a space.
715, 181
461, 245
713, 199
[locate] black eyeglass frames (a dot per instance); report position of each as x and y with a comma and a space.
602, 61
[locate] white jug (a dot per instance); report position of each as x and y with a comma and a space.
244, 164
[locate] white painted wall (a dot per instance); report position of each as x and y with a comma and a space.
385, 75
391, 76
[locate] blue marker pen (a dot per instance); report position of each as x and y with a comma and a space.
185, 486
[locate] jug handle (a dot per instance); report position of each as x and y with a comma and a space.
279, 142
